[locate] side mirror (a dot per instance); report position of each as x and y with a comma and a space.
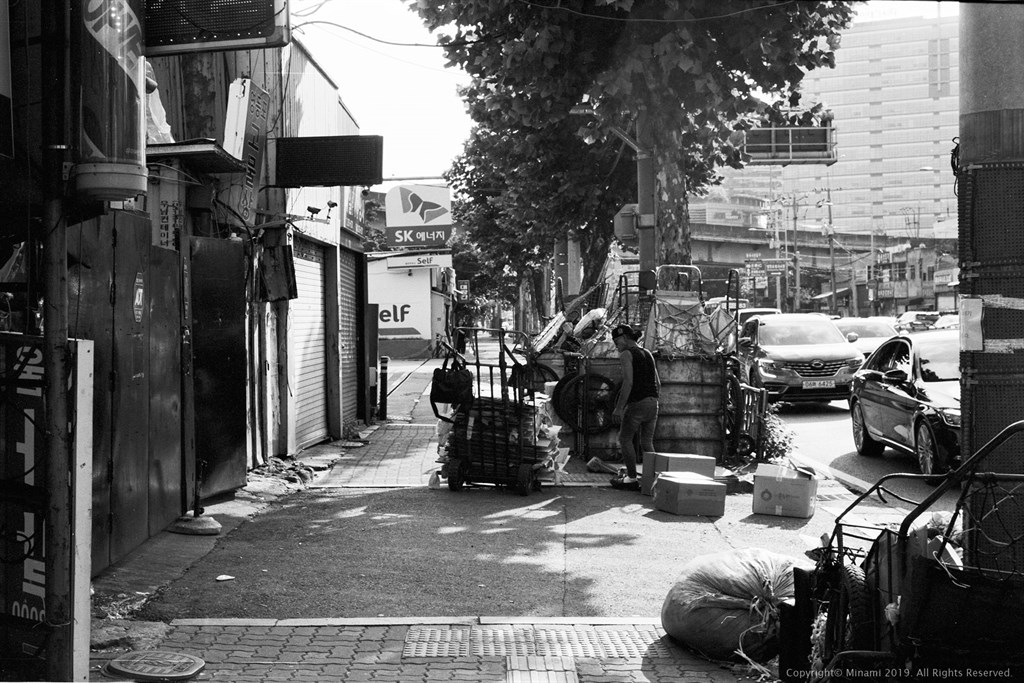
746, 341
852, 337
871, 375
895, 376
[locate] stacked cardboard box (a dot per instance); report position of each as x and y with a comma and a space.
688, 493
655, 463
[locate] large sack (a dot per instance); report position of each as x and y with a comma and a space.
728, 601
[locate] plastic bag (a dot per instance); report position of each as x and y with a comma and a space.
726, 602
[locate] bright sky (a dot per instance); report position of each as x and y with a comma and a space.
406, 94
402, 93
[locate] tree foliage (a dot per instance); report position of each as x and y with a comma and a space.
696, 71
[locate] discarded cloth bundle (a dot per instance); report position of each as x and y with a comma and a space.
727, 603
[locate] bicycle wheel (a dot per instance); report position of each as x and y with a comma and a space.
532, 376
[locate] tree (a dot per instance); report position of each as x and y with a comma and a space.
698, 70
524, 188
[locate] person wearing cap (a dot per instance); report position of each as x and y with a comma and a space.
636, 408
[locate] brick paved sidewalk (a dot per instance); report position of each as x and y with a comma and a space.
397, 455
445, 649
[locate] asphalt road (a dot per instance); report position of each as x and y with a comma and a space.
824, 439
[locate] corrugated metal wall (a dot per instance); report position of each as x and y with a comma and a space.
309, 345
348, 331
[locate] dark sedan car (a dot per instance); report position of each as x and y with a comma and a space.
907, 396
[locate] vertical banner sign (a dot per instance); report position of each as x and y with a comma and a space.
112, 116
6, 91
23, 467
24, 500
245, 137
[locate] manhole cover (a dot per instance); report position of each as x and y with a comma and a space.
155, 665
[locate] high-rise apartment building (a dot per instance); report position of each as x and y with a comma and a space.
894, 94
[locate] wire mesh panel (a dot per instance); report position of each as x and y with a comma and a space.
991, 207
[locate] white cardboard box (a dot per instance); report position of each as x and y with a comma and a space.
687, 493
673, 462
784, 491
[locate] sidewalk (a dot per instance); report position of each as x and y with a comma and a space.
398, 454
469, 648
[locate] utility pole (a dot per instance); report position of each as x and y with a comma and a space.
796, 257
56, 152
831, 257
645, 229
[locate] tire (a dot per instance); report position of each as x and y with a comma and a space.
849, 624
929, 459
863, 442
733, 406
524, 480
556, 400
599, 393
455, 475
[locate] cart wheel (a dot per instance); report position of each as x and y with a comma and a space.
524, 480
849, 624
455, 476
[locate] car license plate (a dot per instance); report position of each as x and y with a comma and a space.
819, 384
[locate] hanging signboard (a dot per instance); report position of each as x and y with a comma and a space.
775, 266
245, 136
417, 206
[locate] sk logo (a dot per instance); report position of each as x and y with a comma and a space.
413, 203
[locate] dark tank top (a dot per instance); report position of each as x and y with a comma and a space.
644, 385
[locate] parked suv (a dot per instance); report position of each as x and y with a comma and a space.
798, 357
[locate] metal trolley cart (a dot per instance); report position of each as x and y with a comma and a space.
940, 593
503, 435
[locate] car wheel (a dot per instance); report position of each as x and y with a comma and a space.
863, 442
929, 460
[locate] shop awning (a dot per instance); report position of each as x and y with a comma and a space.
826, 295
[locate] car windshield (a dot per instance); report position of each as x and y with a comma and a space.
814, 330
866, 328
940, 358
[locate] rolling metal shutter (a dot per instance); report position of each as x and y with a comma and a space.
309, 346
348, 326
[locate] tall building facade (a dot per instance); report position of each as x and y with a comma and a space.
894, 94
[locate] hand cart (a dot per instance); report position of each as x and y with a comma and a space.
903, 603
502, 436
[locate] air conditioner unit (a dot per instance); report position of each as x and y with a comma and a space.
183, 26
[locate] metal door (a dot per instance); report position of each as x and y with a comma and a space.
308, 347
166, 485
219, 363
